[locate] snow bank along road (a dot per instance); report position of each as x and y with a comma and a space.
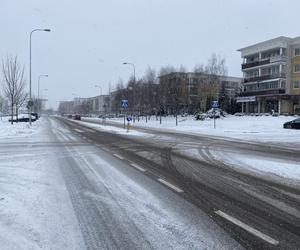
260, 210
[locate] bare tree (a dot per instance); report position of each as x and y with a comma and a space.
14, 82
199, 68
210, 84
182, 69
21, 97
166, 70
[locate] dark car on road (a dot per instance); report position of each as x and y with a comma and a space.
294, 124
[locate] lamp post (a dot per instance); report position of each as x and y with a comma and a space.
98, 86
38, 107
30, 100
134, 79
42, 98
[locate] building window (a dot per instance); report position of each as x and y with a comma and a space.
296, 84
297, 52
296, 68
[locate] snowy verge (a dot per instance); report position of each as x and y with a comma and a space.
112, 129
257, 129
282, 168
20, 129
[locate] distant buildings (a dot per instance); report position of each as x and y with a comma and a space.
92, 105
271, 76
193, 92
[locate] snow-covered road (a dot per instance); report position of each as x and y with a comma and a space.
60, 190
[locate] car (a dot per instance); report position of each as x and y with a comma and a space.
77, 117
200, 116
294, 124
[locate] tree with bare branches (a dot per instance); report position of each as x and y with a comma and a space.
14, 83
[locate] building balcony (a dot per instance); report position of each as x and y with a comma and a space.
264, 77
264, 61
255, 64
263, 92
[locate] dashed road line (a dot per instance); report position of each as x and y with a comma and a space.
78, 130
138, 167
119, 156
177, 189
247, 228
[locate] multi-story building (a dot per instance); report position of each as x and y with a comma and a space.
194, 91
91, 105
271, 76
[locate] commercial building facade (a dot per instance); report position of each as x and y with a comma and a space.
271, 76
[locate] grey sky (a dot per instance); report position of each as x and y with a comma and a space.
90, 39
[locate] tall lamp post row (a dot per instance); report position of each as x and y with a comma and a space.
30, 96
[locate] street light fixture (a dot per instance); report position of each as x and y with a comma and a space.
98, 86
30, 99
42, 99
134, 79
128, 63
40, 76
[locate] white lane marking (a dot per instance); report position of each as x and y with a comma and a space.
247, 228
90, 130
119, 156
170, 185
78, 130
138, 167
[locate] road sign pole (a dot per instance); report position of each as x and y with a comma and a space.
124, 118
214, 118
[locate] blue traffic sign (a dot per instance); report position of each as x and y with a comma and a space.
215, 104
124, 103
128, 118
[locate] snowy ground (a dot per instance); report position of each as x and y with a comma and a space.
35, 210
260, 129
17, 130
38, 211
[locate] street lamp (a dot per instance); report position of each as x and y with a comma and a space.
128, 63
134, 79
42, 98
98, 86
40, 76
30, 104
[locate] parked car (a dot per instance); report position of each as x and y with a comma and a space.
77, 117
25, 118
294, 124
200, 116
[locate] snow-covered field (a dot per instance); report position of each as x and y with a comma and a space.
260, 129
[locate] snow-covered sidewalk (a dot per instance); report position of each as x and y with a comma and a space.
35, 209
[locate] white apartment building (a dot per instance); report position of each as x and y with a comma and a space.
271, 76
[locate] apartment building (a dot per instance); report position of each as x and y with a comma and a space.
194, 91
271, 76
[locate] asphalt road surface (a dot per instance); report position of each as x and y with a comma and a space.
257, 211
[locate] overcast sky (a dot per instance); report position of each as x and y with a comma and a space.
90, 39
